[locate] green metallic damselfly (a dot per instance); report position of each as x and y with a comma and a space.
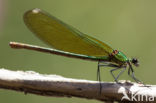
68, 41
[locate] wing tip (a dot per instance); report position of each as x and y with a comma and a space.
32, 11
36, 10
27, 15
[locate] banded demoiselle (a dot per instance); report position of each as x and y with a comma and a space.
68, 41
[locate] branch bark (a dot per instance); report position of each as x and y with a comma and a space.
54, 85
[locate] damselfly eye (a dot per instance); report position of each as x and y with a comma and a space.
135, 61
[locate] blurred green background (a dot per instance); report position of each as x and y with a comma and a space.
126, 25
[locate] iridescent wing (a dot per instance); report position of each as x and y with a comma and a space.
62, 36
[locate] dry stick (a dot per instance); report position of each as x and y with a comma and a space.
54, 85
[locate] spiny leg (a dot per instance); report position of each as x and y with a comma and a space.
116, 68
132, 75
116, 78
98, 71
121, 72
137, 80
100, 65
108, 65
99, 76
111, 71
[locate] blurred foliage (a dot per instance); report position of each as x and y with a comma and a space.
126, 25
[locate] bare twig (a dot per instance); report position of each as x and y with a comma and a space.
54, 85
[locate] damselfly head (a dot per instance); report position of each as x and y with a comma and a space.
135, 62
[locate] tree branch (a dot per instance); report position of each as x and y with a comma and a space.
54, 85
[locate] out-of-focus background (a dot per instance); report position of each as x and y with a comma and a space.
129, 26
